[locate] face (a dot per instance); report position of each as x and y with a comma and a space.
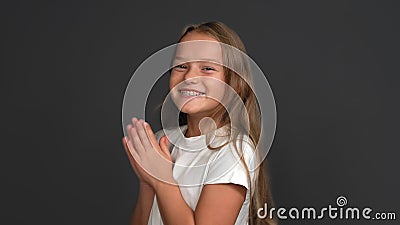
197, 82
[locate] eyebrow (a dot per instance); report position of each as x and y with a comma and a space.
203, 59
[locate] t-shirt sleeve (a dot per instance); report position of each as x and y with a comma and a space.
227, 167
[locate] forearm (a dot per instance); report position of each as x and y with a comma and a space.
144, 203
173, 208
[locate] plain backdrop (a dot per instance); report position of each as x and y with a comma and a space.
332, 65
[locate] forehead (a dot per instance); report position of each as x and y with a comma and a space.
198, 50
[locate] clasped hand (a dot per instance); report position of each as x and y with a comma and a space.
150, 160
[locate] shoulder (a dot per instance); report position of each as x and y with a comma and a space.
242, 147
233, 163
241, 144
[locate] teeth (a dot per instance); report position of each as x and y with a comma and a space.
192, 93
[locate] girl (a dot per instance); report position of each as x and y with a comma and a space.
206, 185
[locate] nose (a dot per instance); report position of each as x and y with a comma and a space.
191, 75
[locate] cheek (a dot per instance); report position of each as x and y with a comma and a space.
173, 81
216, 89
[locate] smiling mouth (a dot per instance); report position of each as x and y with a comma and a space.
191, 93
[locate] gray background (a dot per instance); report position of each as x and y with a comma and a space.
332, 65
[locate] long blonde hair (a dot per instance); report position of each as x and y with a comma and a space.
243, 87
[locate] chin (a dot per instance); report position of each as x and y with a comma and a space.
190, 111
197, 111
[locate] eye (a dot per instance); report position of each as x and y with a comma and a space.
207, 68
180, 67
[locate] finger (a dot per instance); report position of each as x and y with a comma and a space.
151, 135
164, 144
143, 135
129, 151
127, 148
130, 126
134, 120
136, 143
124, 140
128, 131
134, 162
132, 152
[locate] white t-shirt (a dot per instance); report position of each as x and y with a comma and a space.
195, 166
